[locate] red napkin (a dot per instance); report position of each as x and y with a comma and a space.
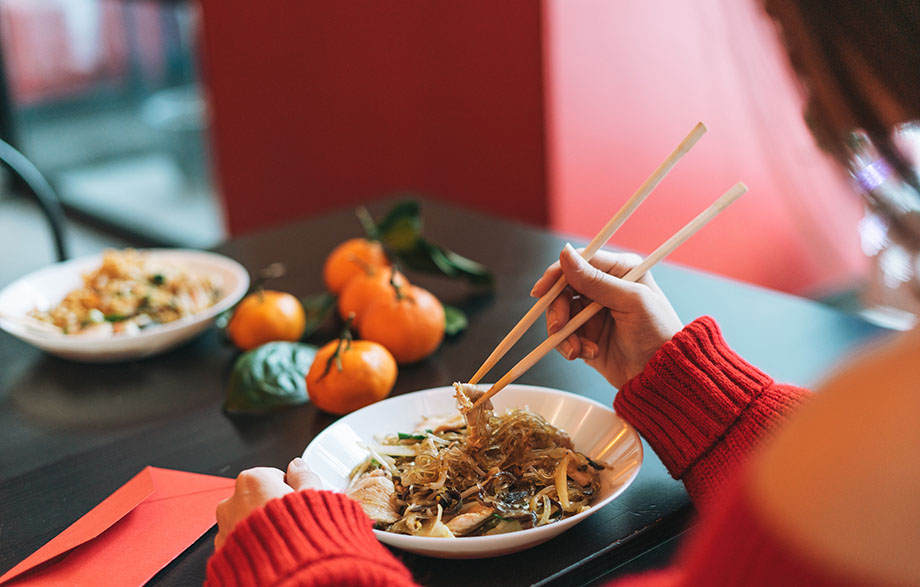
131, 535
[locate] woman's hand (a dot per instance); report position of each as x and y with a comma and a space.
617, 342
255, 488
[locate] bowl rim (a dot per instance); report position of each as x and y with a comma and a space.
498, 542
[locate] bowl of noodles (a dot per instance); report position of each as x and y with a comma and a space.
549, 460
121, 304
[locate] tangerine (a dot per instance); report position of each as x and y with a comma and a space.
366, 288
351, 258
410, 323
349, 374
265, 316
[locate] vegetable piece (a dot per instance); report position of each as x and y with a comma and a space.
270, 376
562, 487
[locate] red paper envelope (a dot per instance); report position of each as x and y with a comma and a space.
131, 535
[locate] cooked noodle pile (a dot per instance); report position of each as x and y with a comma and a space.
523, 473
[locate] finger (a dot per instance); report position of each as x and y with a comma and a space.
222, 520
546, 280
570, 347
596, 284
557, 314
574, 340
259, 477
300, 477
619, 264
591, 330
221, 513
589, 348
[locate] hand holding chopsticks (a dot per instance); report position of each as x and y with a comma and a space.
634, 274
602, 237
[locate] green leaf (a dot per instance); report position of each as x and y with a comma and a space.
455, 321
317, 308
270, 376
401, 227
401, 233
404, 436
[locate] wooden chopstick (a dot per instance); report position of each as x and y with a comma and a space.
635, 273
602, 237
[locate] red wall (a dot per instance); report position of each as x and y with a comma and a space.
627, 80
549, 112
316, 104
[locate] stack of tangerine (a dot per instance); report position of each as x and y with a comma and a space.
397, 323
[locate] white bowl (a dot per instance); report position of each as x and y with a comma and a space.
45, 288
595, 429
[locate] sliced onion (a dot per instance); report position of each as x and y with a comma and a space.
562, 487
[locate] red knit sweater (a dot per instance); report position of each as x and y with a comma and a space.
698, 404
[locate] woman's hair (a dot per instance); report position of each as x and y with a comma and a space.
859, 63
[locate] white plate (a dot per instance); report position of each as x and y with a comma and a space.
46, 287
595, 429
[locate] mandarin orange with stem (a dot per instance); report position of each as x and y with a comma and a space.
409, 322
350, 259
369, 286
349, 374
265, 316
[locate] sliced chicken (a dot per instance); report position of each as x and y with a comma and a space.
469, 520
377, 495
438, 424
477, 419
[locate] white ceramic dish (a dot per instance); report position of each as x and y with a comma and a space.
595, 429
44, 288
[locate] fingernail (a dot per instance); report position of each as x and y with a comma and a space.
568, 247
588, 349
566, 349
552, 322
298, 462
533, 291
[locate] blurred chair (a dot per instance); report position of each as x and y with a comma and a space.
38, 188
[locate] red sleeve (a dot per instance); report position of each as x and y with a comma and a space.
306, 537
703, 408
734, 545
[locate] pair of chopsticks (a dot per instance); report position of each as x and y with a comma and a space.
602, 237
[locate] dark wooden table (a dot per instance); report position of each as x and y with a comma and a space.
72, 433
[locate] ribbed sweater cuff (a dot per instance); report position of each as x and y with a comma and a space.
690, 393
312, 537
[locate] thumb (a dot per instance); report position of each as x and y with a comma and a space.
299, 476
595, 284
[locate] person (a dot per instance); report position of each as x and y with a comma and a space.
793, 488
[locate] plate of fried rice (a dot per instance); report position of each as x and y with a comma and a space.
121, 304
